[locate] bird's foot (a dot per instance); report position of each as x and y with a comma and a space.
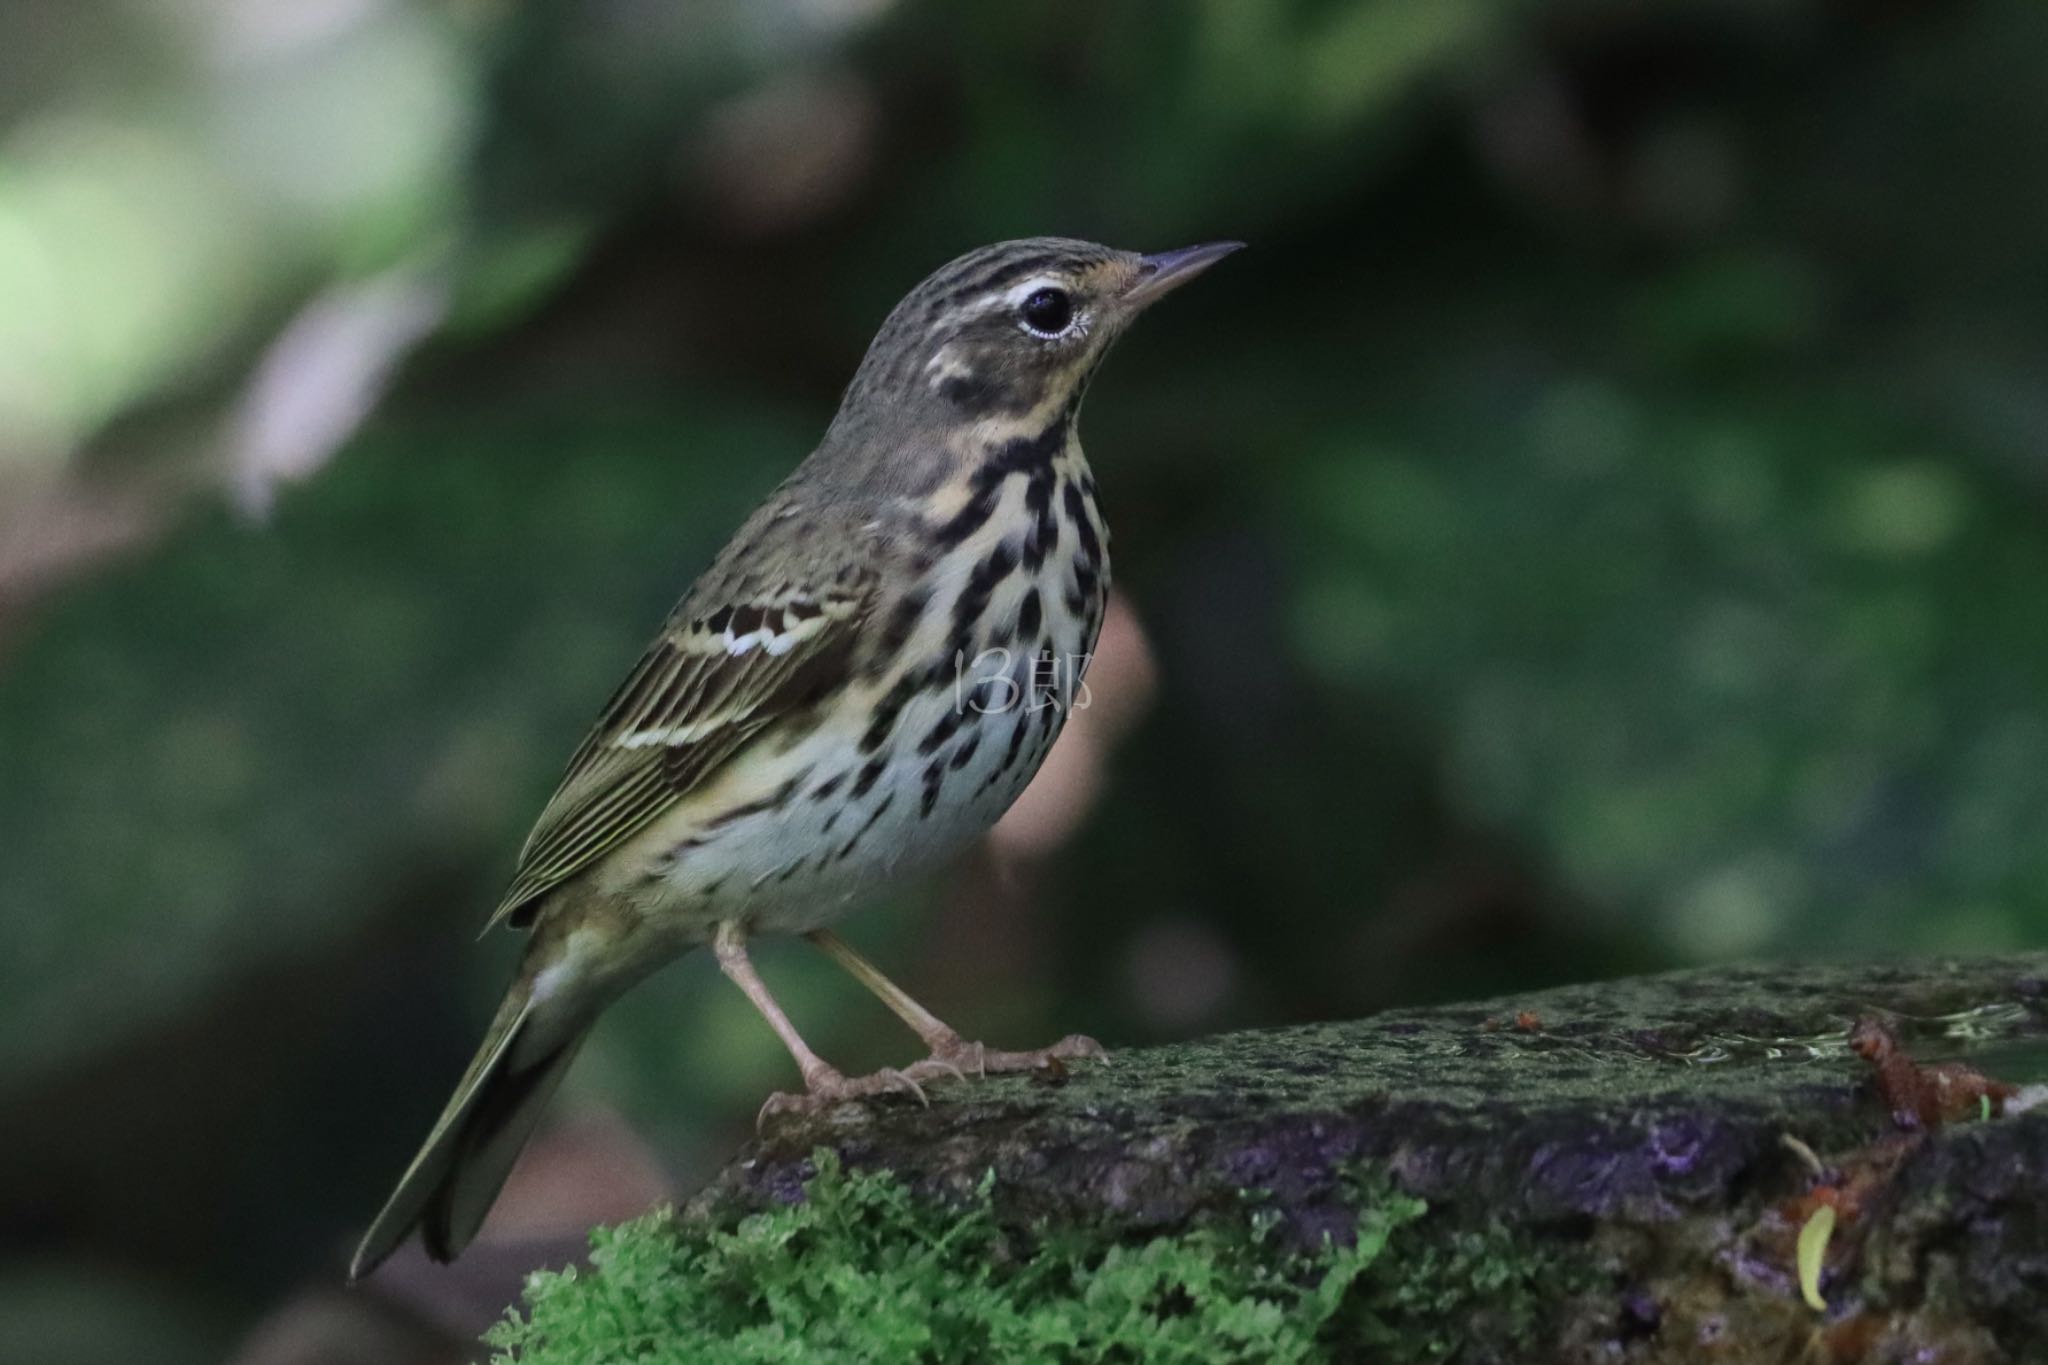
826, 1087
956, 1057
952, 1059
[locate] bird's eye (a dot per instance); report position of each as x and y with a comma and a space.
1048, 312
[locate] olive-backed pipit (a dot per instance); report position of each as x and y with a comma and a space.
864, 679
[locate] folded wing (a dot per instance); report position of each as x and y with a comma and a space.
718, 675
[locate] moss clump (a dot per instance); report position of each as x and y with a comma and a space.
862, 1269
1466, 1294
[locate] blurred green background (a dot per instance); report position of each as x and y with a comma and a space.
1597, 527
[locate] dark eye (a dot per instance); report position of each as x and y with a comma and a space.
1048, 311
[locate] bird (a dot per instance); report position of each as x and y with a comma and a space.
865, 678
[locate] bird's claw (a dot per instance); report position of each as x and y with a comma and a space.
952, 1061
960, 1058
827, 1088
935, 1068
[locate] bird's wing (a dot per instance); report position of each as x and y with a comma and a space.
719, 674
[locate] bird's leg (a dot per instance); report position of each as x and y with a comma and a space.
730, 945
951, 1055
824, 1084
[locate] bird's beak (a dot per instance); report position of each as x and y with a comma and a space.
1162, 274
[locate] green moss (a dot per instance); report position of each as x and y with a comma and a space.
1463, 1292
863, 1269
1451, 1290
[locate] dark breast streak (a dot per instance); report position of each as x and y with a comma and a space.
934, 746
1036, 593
1051, 630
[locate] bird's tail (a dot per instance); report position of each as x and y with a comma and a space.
454, 1180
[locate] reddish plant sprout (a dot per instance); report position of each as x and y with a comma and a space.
1924, 1097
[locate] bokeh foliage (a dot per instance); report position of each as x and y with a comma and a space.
1596, 526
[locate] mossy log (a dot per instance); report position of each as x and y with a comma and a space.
1617, 1171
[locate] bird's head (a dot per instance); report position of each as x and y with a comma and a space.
1010, 334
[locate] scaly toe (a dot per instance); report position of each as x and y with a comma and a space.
987, 1061
934, 1068
1078, 1047
828, 1089
966, 1059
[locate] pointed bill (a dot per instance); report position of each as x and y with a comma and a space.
1166, 271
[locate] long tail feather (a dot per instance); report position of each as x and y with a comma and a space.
456, 1176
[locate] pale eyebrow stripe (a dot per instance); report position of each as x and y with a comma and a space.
991, 303
1020, 292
